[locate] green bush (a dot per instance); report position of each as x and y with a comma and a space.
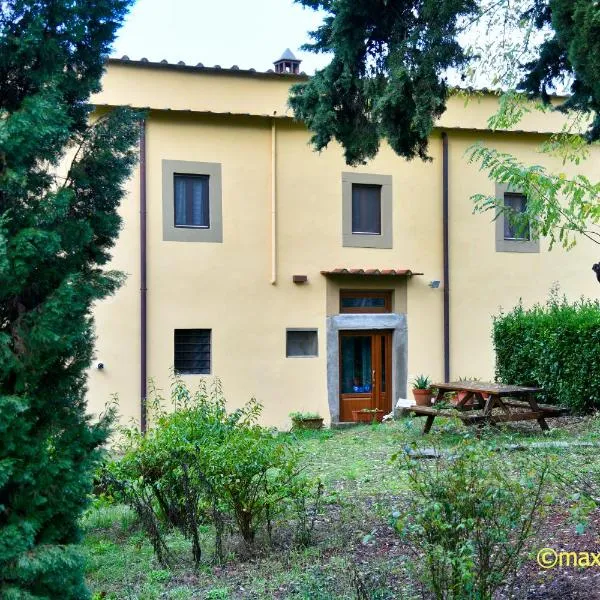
469, 521
200, 464
555, 346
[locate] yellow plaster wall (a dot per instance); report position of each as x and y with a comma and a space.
483, 280
118, 322
226, 287
165, 87
225, 92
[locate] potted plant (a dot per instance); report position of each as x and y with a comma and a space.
422, 390
368, 415
306, 420
458, 397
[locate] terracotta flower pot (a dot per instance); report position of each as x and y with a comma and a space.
458, 397
452, 398
358, 416
422, 397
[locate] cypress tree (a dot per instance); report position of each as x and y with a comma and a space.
61, 181
386, 76
572, 54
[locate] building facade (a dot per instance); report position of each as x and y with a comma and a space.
298, 280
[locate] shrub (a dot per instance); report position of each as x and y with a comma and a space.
199, 463
64, 169
468, 521
555, 346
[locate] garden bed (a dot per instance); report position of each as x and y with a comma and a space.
354, 546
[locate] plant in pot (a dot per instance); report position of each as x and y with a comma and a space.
367, 415
306, 420
459, 396
422, 390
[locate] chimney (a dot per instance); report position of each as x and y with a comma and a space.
288, 63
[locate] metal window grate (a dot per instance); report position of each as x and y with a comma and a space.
193, 351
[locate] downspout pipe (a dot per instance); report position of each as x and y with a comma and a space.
143, 281
273, 202
445, 253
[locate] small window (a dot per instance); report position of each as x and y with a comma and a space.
191, 201
192, 351
301, 342
366, 209
513, 237
360, 301
518, 204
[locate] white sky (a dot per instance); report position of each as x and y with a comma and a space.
224, 32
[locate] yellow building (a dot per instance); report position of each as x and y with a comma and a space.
296, 279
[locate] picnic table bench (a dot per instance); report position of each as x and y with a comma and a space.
517, 403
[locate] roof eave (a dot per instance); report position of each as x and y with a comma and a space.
349, 272
200, 68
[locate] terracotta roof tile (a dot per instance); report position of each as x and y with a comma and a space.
181, 65
302, 75
344, 271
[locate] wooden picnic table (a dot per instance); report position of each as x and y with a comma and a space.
516, 402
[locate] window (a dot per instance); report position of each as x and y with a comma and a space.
191, 200
513, 237
518, 204
301, 342
192, 351
192, 207
366, 209
361, 301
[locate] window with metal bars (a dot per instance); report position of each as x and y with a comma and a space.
193, 351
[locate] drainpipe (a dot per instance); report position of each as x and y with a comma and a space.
143, 280
445, 252
273, 202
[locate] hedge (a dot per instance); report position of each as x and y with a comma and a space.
555, 346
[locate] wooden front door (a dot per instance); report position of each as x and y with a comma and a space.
365, 371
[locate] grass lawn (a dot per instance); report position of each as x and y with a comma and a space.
355, 552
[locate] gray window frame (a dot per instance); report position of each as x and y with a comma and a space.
302, 329
511, 245
367, 240
214, 232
